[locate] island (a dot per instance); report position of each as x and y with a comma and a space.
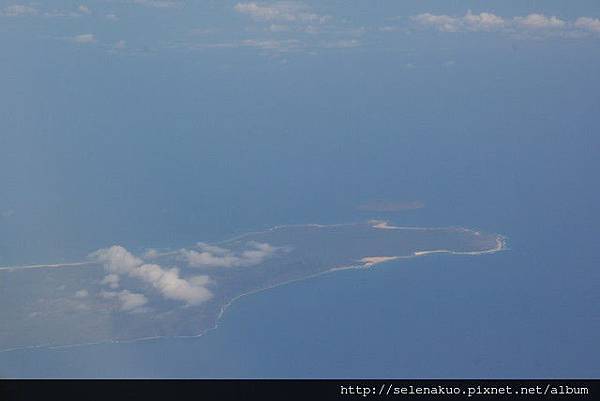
115, 295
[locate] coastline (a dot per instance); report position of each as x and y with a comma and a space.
367, 262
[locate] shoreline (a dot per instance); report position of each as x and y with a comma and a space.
365, 263
379, 224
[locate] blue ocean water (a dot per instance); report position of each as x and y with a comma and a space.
530, 311
507, 144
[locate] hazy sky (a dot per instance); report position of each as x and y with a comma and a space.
141, 119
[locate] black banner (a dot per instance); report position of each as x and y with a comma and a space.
108, 390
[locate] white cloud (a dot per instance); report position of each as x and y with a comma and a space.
202, 280
17, 10
118, 261
539, 21
171, 286
130, 301
483, 21
217, 250
586, 23
257, 254
468, 22
214, 256
81, 294
208, 259
534, 25
289, 26
112, 280
280, 11
269, 44
112, 17
151, 254
158, 3
85, 38
443, 23
84, 9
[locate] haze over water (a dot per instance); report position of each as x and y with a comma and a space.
167, 147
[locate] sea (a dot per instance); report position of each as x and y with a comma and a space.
501, 146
